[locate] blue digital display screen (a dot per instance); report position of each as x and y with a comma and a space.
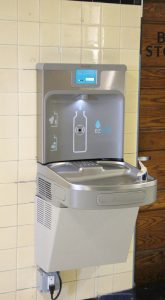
86, 76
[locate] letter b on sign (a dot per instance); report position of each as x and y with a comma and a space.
161, 37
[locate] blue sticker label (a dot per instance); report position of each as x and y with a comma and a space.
102, 130
86, 76
98, 124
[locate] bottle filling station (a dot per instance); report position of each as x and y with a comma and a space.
87, 196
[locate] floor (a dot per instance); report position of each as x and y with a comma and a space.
148, 292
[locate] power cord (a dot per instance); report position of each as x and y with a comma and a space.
52, 288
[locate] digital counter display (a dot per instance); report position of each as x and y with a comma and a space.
86, 77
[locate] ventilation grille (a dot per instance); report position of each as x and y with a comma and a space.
44, 188
44, 213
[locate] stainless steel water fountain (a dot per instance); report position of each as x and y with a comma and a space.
87, 196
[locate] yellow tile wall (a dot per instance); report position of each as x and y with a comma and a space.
54, 31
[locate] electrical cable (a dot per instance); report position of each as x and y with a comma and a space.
52, 288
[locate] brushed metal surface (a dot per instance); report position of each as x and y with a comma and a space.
57, 92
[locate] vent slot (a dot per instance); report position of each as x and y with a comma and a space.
48, 216
44, 213
40, 211
45, 188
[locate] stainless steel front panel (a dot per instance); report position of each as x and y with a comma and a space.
83, 129
80, 122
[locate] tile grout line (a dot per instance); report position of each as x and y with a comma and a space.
17, 144
60, 48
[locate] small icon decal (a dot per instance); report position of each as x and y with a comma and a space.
98, 127
53, 120
53, 146
97, 124
79, 132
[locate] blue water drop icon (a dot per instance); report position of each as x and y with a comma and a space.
98, 124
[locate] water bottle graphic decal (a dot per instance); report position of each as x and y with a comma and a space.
79, 132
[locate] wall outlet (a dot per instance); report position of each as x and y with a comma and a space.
45, 279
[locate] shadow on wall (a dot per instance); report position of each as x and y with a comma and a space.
133, 2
